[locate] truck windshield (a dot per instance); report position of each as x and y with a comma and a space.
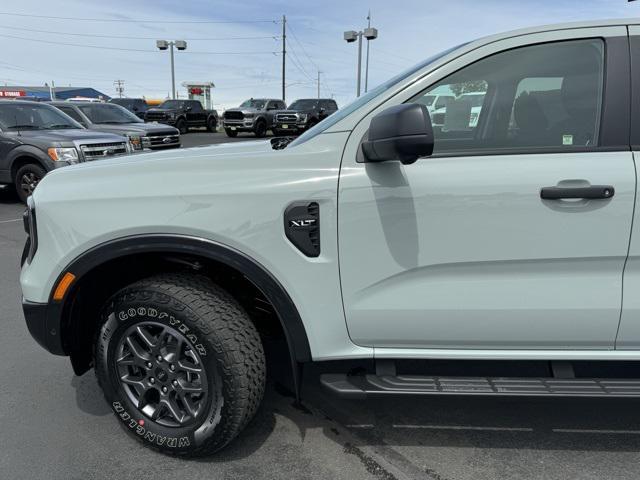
366, 98
23, 116
257, 104
104, 113
171, 104
303, 105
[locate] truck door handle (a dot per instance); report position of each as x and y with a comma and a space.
594, 192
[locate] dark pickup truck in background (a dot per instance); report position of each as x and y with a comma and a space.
183, 114
302, 114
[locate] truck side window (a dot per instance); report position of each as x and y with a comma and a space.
196, 107
546, 95
73, 114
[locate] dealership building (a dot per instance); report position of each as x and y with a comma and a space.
46, 92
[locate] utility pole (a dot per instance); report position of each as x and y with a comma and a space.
366, 72
359, 60
284, 53
319, 72
119, 84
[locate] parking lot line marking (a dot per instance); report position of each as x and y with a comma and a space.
580, 430
466, 427
9, 221
366, 425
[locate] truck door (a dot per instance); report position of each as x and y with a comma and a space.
514, 234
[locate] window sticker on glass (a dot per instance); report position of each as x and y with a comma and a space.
567, 139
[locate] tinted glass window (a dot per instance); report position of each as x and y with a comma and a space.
105, 113
546, 95
257, 104
72, 113
196, 107
31, 116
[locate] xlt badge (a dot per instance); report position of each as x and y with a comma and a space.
302, 227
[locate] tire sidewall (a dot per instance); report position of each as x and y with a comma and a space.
212, 125
231, 133
128, 309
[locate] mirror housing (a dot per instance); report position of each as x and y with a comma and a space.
402, 132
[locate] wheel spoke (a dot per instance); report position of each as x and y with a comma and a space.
136, 350
135, 381
173, 409
146, 337
187, 403
191, 388
189, 368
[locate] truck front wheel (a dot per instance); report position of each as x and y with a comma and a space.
180, 363
27, 178
181, 125
260, 129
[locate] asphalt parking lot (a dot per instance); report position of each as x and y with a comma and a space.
57, 426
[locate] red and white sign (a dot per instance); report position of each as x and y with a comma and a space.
12, 93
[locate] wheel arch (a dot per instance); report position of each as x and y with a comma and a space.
185, 251
24, 155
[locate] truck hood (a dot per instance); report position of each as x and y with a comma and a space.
135, 127
153, 162
65, 135
164, 110
244, 110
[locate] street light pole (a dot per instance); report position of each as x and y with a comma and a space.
366, 68
359, 60
166, 45
173, 74
351, 36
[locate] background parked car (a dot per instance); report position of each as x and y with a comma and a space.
302, 115
137, 106
254, 115
111, 118
35, 138
183, 114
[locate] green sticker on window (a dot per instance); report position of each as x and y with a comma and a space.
567, 139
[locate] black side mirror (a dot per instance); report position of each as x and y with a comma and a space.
321, 111
402, 132
188, 108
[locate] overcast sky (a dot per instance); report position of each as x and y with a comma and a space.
38, 50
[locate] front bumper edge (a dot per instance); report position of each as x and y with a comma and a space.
43, 322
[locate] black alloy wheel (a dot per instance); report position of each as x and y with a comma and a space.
161, 375
27, 179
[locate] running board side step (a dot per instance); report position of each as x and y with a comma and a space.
362, 386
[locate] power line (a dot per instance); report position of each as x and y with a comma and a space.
125, 37
129, 20
101, 47
295, 37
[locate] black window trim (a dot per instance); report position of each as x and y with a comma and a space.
615, 113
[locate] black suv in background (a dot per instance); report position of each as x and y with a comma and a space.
110, 118
302, 115
183, 114
137, 106
253, 115
35, 138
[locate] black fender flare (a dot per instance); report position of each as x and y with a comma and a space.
256, 273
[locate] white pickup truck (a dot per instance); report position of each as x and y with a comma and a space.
493, 257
